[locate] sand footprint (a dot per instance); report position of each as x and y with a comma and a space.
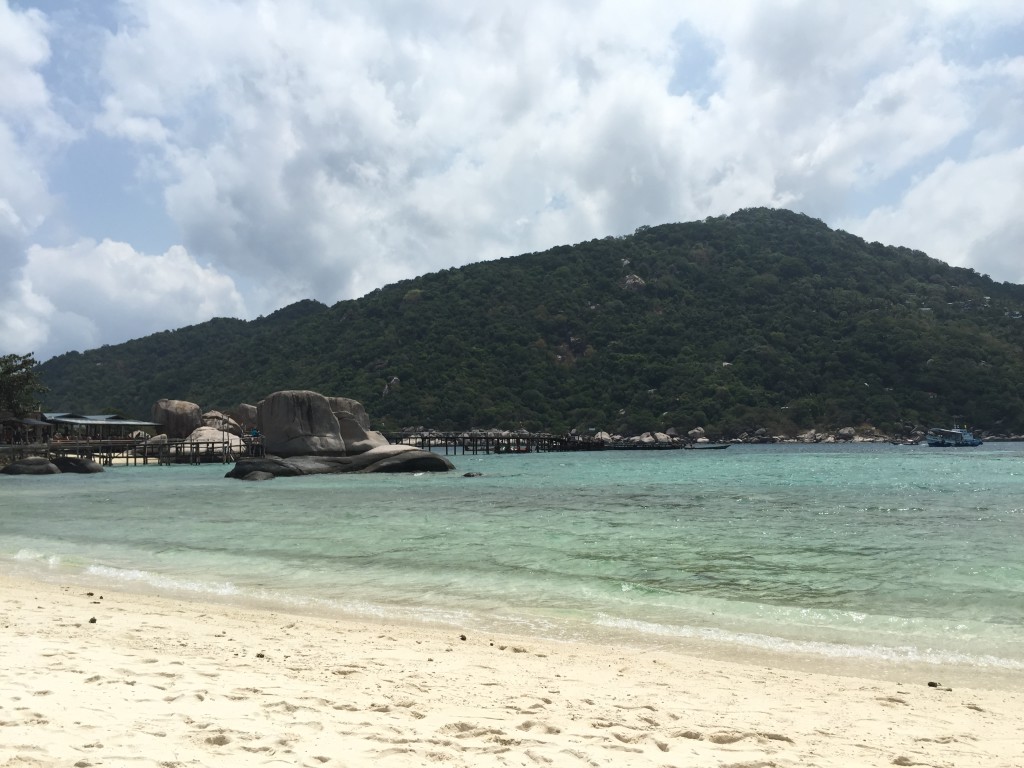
463, 730
534, 725
889, 700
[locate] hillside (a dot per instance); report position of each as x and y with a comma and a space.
765, 318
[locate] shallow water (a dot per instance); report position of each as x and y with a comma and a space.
872, 552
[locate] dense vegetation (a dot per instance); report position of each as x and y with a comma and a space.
20, 385
765, 318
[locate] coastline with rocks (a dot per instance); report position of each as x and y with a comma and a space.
297, 432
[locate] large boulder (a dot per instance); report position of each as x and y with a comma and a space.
299, 423
151, 447
219, 420
179, 418
216, 437
354, 425
353, 408
810, 436
391, 458
357, 438
32, 465
77, 465
245, 415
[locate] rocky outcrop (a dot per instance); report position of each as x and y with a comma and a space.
392, 458
215, 435
299, 423
302, 432
354, 426
633, 283
649, 438
245, 415
32, 465
351, 408
178, 417
221, 421
357, 438
304, 423
39, 465
151, 446
77, 466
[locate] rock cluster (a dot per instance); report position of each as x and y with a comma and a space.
304, 433
180, 418
39, 465
391, 458
304, 423
301, 432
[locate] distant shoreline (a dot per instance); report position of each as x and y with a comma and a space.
10, 452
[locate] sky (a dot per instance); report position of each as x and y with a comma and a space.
164, 163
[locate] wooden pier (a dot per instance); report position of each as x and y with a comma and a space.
122, 452
474, 443
132, 452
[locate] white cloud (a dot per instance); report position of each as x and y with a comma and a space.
30, 131
29, 128
984, 193
319, 150
89, 294
23, 49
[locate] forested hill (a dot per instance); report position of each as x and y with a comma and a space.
765, 318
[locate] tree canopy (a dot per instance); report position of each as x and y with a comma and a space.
20, 385
765, 318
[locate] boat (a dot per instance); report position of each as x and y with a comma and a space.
636, 445
957, 437
707, 446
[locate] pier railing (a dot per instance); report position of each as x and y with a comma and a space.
473, 443
132, 452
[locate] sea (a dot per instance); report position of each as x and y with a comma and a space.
831, 557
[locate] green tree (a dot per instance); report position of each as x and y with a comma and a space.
19, 384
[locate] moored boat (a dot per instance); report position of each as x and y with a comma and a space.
957, 437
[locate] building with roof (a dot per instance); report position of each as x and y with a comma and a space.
95, 426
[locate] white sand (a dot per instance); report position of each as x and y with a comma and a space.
157, 682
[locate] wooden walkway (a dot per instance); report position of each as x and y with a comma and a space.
474, 443
133, 453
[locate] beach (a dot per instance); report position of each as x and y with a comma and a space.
106, 678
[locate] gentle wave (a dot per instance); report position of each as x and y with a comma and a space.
32, 556
813, 647
160, 581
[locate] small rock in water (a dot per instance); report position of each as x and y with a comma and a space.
92, 620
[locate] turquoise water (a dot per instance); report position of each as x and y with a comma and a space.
872, 552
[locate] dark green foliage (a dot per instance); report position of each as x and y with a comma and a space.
765, 318
20, 385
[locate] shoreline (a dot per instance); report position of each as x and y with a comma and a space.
749, 647
161, 681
